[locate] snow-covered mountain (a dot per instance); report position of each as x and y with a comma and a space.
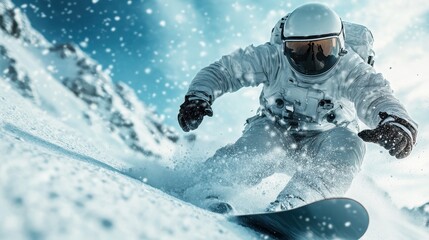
28, 61
80, 154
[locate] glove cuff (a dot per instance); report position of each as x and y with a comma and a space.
196, 95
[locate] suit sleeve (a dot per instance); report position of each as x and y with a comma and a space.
243, 68
371, 94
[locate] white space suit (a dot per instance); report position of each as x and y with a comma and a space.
306, 121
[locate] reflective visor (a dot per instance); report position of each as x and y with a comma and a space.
312, 57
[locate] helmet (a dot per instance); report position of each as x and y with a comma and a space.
313, 39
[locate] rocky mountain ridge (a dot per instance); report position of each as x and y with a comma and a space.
113, 105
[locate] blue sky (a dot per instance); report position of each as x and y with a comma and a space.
118, 34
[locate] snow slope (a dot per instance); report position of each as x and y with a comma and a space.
69, 171
54, 184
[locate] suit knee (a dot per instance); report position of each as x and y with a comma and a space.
343, 148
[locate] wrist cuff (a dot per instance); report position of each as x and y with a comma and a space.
195, 95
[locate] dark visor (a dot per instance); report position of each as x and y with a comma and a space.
312, 57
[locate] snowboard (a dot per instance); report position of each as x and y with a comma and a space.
333, 218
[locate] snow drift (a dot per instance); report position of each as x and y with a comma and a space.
80, 154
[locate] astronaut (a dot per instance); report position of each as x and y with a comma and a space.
315, 88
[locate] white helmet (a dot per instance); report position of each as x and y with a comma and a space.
313, 39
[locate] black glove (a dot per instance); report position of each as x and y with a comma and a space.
192, 112
396, 135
